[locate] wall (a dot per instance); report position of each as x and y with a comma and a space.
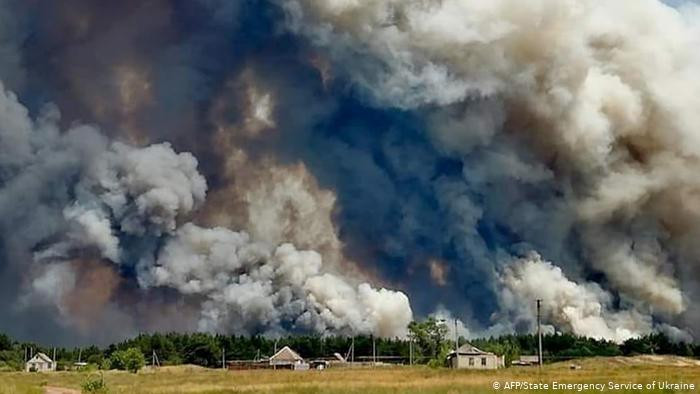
492, 361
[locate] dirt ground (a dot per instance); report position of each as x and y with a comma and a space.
59, 390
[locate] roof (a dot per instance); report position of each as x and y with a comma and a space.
468, 348
286, 354
40, 357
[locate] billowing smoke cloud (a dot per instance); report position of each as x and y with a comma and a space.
587, 105
139, 192
460, 151
120, 203
585, 308
253, 287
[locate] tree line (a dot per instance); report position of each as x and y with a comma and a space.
427, 343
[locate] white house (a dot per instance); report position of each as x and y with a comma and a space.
469, 357
40, 363
288, 358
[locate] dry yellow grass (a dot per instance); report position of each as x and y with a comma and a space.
187, 379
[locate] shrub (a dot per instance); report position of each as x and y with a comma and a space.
94, 384
106, 364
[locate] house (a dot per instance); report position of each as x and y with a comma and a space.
469, 357
40, 363
527, 360
287, 358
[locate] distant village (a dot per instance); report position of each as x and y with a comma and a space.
466, 356
428, 343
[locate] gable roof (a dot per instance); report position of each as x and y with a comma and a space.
468, 348
286, 354
40, 357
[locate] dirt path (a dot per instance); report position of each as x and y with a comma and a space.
59, 390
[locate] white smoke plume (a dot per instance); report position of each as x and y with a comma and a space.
458, 330
602, 95
252, 287
93, 228
122, 202
50, 286
145, 189
132, 191
582, 308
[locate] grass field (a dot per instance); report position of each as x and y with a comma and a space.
186, 379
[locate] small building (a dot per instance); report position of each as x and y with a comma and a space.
320, 364
469, 357
287, 358
40, 363
527, 361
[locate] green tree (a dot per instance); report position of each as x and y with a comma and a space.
429, 337
5, 342
129, 360
505, 346
635, 346
203, 350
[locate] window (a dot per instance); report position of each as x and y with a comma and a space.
483, 361
471, 361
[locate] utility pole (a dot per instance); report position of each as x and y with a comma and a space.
154, 359
54, 359
223, 358
374, 350
456, 338
154, 362
352, 348
539, 332
410, 351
